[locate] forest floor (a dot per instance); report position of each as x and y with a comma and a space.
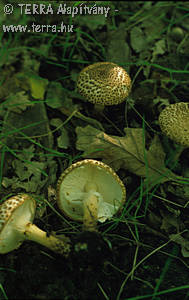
143, 252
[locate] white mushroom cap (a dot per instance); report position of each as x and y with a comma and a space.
104, 83
16, 212
16, 216
90, 178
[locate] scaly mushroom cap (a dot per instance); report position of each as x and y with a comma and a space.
104, 83
12, 217
174, 122
84, 179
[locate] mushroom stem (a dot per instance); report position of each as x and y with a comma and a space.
58, 245
90, 207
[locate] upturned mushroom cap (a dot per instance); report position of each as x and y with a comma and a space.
12, 217
16, 216
90, 179
174, 122
104, 83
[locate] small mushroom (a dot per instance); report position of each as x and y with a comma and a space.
16, 217
90, 191
174, 123
104, 83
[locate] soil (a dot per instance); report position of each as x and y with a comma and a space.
132, 256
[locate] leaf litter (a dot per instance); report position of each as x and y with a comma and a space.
128, 152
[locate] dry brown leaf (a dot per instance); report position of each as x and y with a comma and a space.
128, 152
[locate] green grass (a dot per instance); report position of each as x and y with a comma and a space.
3, 293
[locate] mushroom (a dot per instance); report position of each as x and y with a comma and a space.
174, 123
104, 83
16, 217
90, 191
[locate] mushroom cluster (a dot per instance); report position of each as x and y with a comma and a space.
104, 83
16, 217
90, 191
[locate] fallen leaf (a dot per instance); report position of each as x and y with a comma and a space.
128, 152
33, 83
118, 52
63, 139
17, 102
184, 243
56, 95
170, 221
138, 39
92, 21
159, 48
